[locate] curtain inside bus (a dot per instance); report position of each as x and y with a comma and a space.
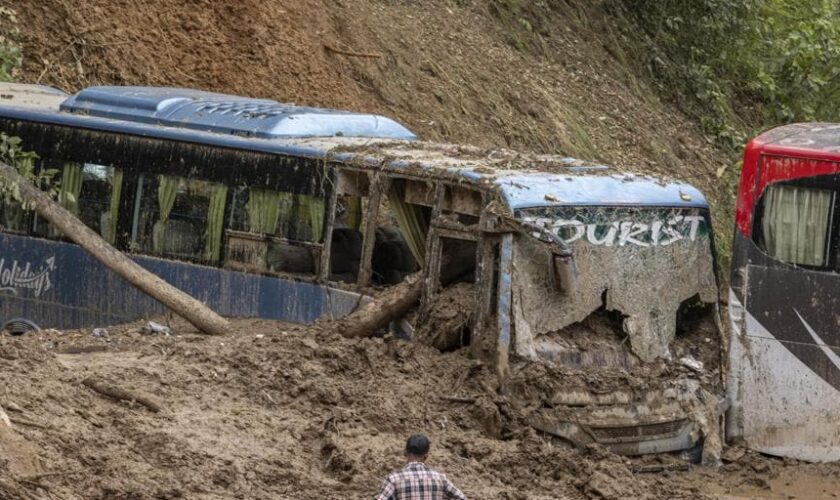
215, 222
71, 187
412, 222
795, 224
109, 231
302, 217
167, 190
263, 210
353, 213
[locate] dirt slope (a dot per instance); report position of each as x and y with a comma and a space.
549, 77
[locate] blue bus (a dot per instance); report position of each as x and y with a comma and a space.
263, 209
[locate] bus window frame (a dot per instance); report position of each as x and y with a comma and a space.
142, 156
833, 229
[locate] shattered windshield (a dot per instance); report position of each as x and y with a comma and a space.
642, 262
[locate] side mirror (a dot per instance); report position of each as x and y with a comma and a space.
564, 273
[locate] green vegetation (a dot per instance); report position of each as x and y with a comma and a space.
738, 66
10, 54
24, 161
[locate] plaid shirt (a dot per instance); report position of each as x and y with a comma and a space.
418, 482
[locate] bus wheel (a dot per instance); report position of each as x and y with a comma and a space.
19, 326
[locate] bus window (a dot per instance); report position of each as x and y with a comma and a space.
274, 231
795, 224
403, 227
92, 193
99, 199
347, 241
179, 218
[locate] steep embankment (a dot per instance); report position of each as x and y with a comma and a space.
552, 77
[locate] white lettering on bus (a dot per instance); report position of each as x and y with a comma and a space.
16, 275
625, 232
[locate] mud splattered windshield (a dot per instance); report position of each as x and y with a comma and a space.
642, 262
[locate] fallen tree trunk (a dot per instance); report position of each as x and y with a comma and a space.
395, 302
391, 305
179, 302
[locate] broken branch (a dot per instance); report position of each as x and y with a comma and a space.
120, 394
392, 304
28, 423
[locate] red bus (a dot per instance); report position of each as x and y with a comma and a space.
784, 355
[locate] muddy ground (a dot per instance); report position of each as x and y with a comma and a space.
279, 411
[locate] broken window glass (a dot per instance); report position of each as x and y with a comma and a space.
640, 262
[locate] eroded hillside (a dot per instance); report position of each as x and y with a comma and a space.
551, 79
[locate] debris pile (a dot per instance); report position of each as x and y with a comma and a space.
270, 411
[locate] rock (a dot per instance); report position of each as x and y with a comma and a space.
99, 332
9, 352
152, 328
690, 362
4, 419
733, 454
13, 407
310, 343
604, 485
761, 467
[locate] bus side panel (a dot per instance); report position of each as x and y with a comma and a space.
784, 359
58, 285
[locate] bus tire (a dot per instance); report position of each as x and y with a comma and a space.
19, 326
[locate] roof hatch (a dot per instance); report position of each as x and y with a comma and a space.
227, 114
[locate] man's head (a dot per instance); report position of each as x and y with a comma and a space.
417, 448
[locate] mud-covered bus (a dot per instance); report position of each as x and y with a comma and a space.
784, 302
262, 209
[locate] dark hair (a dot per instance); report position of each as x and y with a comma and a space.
417, 445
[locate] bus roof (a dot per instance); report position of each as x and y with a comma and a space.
524, 181
806, 150
798, 138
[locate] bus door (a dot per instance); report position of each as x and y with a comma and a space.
784, 380
456, 274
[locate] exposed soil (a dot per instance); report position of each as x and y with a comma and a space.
550, 77
278, 411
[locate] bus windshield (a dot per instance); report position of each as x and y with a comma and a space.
642, 262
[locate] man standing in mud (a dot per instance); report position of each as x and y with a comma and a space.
416, 481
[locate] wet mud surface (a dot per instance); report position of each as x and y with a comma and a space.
279, 411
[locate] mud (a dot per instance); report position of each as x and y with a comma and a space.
446, 324
278, 411
644, 281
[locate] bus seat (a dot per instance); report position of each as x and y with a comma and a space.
290, 258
